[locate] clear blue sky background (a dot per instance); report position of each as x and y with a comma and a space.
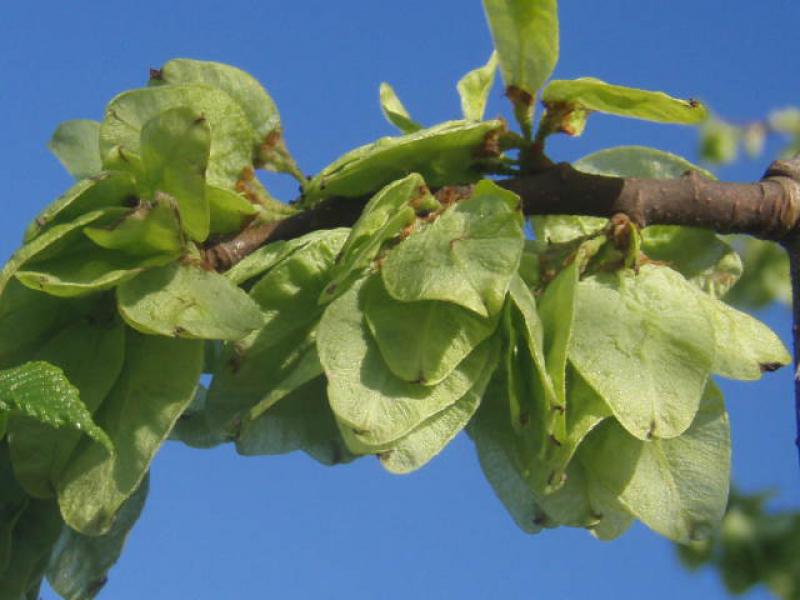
220, 526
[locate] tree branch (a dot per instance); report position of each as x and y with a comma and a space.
768, 209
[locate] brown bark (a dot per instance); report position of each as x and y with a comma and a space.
768, 209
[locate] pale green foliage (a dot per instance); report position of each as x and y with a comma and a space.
525, 34
101, 191
645, 343
593, 94
156, 384
412, 451
395, 112
233, 138
79, 563
467, 256
444, 155
422, 341
383, 218
302, 422
269, 364
77, 145
242, 87
377, 406
579, 363
186, 301
150, 229
474, 89
174, 147
679, 487
91, 357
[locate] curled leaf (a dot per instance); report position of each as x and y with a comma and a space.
41, 391
395, 112
442, 155
474, 89
595, 95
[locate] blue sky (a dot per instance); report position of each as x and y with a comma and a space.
221, 526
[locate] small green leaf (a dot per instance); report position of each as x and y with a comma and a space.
28, 319
442, 155
187, 301
467, 256
745, 347
193, 427
36, 530
53, 242
491, 432
533, 331
175, 150
377, 406
585, 410
645, 343
79, 276
593, 94
108, 189
525, 34
417, 448
80, 563
719, 142
75, 266
239, 85
564, 407
76, 144
698, 254
13, 502
531, 393
150, 229
557, 307
229, 211
678, 487
90, 355
41, 391
638, 161
422, 342
233, 140
474, 89
383, 218
576, 503
300, 421
256, 372
395, 112
264, 258
288, 292
766, 274
156, 385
